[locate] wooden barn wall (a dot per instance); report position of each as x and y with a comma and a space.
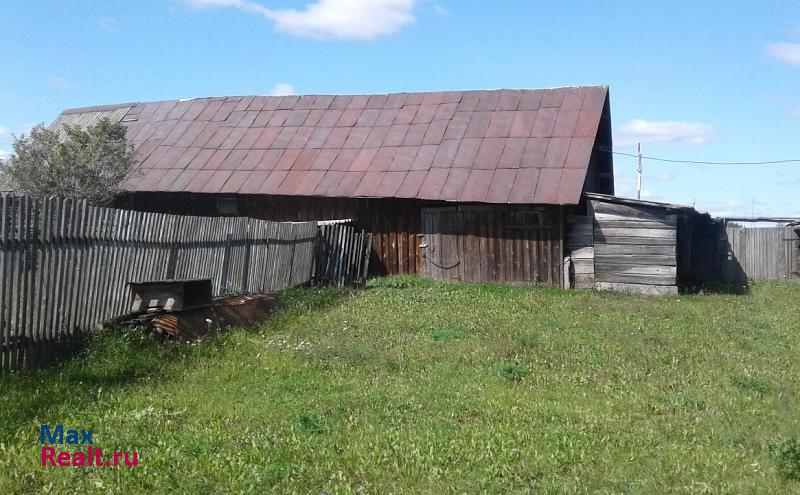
493, 244
579, 248
634, 248
395, 223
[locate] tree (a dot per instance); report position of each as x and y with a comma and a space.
90, 164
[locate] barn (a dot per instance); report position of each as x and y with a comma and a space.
458, 185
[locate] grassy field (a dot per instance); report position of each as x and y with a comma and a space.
411, 386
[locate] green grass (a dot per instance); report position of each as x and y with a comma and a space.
412, 386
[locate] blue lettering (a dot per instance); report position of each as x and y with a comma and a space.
56, 436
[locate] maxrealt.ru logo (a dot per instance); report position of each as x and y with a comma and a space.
91, 457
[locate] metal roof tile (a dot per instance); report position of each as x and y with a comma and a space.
467, 150
477, 186
273, 182
565, 123
310, 182
454, 185
547, 185
524, 187
292, 181
216, 181
411, 184
330, 181
253, 183
432, 185
501, 185
235, 181
390, 184
348, 184
489, 153
556, 155
368, 187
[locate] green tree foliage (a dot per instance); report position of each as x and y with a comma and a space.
90, 164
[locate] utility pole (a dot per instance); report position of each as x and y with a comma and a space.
639, 172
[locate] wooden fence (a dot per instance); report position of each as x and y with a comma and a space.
769, 253
64, 266
343, 254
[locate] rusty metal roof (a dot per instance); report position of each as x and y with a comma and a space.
492, 146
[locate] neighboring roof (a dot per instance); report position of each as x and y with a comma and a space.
494, 146
85, 117
637, 202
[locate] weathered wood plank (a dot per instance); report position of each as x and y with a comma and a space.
624, 259
634, 249
643, 233
641, 241
629, 278
646, 213
635, 269
652, 290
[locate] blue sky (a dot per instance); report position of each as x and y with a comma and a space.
713, 80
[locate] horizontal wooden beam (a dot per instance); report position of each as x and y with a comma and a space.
650, 290
601, 249
627, 278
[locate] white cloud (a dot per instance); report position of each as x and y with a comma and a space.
107, 23
61, 83
788, 53
282, 89
439, 10
665, 132
4, 154
329, 19
5, 134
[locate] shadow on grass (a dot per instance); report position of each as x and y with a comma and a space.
722, 288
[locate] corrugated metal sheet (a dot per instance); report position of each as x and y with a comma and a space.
85, 117
491, 146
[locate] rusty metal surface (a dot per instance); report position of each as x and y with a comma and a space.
364, 145
234, 311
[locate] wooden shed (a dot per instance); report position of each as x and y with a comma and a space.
480, 180
640, 246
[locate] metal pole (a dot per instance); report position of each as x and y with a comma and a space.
639, 172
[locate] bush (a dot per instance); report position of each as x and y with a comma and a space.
787, 456
85, 164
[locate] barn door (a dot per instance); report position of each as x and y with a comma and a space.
491, 244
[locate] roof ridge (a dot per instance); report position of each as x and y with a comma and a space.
98, 108
471, 90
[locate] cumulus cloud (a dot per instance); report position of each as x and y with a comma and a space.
787, 53
107, 24
665, 132
282, 89
61, 83
329, 19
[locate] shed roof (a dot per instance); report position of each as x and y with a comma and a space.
492, 146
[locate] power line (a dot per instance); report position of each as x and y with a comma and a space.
700, 162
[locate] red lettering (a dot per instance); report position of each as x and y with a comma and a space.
135, 461
48, 453
117, 455
63, 459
